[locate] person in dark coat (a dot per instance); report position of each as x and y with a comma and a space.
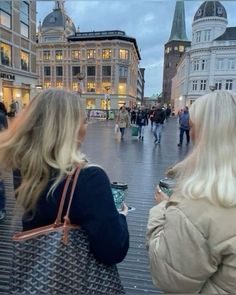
184, 126
159, 118
141, 121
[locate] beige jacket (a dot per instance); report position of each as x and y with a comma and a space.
123, 119
192, 247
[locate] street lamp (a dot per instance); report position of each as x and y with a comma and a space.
107, 97
80, 77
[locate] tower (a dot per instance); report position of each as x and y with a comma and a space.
174, 49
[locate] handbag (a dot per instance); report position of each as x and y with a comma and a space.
134, 130
56, 259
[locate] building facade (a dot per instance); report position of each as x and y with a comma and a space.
18, 77
101, 65
174, 49
210, 62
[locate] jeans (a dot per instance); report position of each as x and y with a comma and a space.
122, 131
157, 131
181, 135
141, 131
2, 195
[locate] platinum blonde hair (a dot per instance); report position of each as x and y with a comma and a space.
210, 170
42, 142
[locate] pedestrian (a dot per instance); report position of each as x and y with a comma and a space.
3, 126
158, 119
122, 120
13, 108
141, 121
191, 235
168, 111
43, 147
151, 116
184, 126
133, 116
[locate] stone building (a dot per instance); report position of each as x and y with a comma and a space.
18, 77
210, 62
101, 65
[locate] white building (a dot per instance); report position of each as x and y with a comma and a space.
210, 61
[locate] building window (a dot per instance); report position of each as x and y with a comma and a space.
229, 84
124, 54
91, 87
24, 19
207, 35
24, 57
122, 88
194, 85
91, 70
46, 55
47, 84
59, 71
75, 70
106, 53
59, 55
203, 85
59, 84
196, 65
106, 71
168, 49
5, 52
231, 64
123, 71
181, 48
218, 85
198, 36
90, 103
75, 86
91, 53
220, 64
5, 13
75, 54
203, 64
47, 71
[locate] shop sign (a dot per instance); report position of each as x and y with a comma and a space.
7, 76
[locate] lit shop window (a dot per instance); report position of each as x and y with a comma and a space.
124, 54
59, 84
106, 53
75, 86
46, 55
91, 87
122, 88
59, 55
75, 54
91, 53
47, 84
24, 57
5, 53
90, 103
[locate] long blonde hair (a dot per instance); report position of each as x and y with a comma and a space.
43, 142
210, 170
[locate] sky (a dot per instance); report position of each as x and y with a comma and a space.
149, 21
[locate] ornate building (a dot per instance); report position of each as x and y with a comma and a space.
101, 65
18, 77
210, 62
174, 49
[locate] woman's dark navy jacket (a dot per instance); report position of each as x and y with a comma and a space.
92, 208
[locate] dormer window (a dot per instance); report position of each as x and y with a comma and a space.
199, 13
52, 19
220, 10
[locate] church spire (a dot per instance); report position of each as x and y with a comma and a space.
178, 31
59, 4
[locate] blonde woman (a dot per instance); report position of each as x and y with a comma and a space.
191, 237
122, 120
42, 146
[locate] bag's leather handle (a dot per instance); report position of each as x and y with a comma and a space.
64, 193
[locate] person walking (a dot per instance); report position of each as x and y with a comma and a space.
159, 118
191, 236
151, 116
184, 126
141, 121
43, 147
123, 120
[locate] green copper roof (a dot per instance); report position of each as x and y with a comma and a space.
178, 31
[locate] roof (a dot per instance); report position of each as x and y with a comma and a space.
104, 35
229, 34
210, 9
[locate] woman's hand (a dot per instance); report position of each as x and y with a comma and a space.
124, 210
160, 196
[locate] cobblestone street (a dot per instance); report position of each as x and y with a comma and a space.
140, 165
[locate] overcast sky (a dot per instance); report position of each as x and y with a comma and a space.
148, 21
